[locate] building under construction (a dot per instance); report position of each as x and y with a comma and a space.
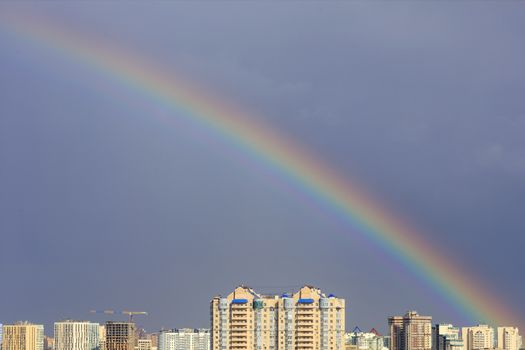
120, 335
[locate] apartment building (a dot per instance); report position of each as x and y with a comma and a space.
366, 341
185, 339
509, 338
76, 335
446, 337
478, 337
143, 344
305, 320
23, 336
410, 332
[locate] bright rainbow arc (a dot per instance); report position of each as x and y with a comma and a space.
297, 165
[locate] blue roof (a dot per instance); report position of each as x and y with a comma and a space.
285, 295
306, 301
331, 296
239, 301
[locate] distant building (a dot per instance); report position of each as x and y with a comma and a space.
120, 336
23, 336
184, 339
102, 337
366, 341
509, 338
307, 319
154, 337
410, 332
76, 335
446, 337
49, 343
143, 344
478, 337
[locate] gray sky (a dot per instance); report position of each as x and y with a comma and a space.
104, 206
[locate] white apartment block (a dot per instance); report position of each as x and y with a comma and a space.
184, 339
76, 335
446, 337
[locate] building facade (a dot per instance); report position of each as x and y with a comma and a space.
509, 338
120, 336
102, 337
446, 337
478, 337
23, 336
49, 343
143, 344
185, 339
410, 332
305, 320
76, 335
365, 341
154, 337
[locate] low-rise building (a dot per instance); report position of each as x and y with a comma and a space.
478, 338
509, 338
446, 337
184, 339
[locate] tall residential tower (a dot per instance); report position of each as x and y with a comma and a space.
76, 335
305, 320
23, 336
410, 332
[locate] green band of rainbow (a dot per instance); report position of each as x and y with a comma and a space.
266, 146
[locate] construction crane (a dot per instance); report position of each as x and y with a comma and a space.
125, 312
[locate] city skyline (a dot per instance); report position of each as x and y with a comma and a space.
245, 319
149, 160
78, 325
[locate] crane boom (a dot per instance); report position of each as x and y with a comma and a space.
130, 314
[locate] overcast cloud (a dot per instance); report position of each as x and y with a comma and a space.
104, 206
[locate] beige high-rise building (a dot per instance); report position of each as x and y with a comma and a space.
509, 338
410, 332
76, 335
305, 320
120, 336
23, 336
478, 337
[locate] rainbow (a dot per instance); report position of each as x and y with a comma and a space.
281, 155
